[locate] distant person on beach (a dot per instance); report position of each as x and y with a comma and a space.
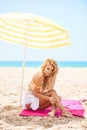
41, 93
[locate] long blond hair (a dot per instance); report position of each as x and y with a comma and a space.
50, 81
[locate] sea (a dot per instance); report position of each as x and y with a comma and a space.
39, 63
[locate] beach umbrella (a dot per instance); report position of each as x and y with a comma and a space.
32, 31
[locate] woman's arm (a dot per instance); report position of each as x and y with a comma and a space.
42, 96
39, 94
51, 83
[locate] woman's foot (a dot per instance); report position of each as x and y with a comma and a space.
67, 114
52, 114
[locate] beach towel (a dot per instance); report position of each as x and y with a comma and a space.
74, 106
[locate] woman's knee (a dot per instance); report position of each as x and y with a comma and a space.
53, 92
59, 98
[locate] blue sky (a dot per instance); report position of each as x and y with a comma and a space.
70, 14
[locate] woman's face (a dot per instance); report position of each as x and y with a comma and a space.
48, 70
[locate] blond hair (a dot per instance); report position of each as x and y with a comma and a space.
50, 81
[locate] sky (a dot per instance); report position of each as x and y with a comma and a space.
70, 14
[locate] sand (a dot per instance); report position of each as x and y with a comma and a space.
71, 83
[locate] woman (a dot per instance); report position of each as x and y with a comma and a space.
41, 93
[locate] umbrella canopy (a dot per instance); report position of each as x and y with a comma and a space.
32, 30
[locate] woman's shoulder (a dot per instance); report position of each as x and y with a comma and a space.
38, 74
37, 77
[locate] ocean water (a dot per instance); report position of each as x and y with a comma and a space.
39, 63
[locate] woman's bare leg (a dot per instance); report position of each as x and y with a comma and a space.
44, 104
47, 104
52, 113
59, 105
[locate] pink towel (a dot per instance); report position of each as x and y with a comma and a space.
74, 106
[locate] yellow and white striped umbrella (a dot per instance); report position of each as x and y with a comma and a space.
32, 30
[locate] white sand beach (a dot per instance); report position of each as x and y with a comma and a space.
71, 83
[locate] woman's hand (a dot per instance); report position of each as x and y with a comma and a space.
52, 100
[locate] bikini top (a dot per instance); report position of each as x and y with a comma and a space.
32, 85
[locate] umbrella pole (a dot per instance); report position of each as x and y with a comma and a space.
23, 71
24, 61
